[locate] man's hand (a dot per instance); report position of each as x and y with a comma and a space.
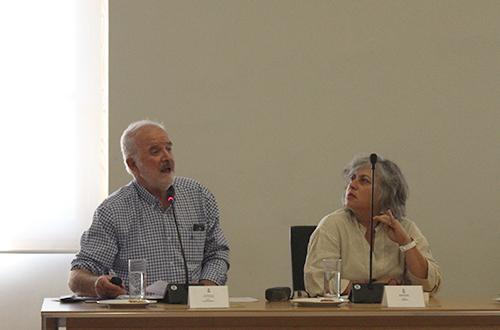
84, 283
105, 289
207, 282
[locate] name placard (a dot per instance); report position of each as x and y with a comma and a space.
208, 297
403, 296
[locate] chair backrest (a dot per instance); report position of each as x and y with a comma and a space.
299, 239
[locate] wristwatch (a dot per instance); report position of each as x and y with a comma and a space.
408, 246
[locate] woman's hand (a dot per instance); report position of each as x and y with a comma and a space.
393, 228
389, 280
415, 261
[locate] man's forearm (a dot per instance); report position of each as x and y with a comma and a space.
82, 282
215, 270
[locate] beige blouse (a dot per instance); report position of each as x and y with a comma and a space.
340, 235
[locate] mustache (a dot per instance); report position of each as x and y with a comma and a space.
166, 165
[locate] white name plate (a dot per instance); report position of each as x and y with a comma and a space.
403, 296
208, 297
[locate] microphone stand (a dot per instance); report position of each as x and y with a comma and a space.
371, 292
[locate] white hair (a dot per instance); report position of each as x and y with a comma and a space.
127, 140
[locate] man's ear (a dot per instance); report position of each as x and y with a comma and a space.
131, 164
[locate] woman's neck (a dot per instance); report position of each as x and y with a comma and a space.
363, 218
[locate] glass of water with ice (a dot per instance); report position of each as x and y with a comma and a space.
332, 269
137, 278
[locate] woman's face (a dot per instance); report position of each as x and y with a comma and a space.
358, 191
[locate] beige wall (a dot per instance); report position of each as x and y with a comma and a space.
266, 101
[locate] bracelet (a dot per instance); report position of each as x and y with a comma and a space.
408, 246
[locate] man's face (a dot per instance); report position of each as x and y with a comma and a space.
153, 164
359, 190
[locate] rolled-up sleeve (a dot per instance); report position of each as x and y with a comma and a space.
434, 277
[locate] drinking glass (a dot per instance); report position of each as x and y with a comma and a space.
137, 278
332, 269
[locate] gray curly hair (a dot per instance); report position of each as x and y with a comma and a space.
393, 187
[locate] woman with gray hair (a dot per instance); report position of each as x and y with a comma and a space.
401, 254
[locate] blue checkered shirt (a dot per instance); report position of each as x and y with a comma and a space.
131, 224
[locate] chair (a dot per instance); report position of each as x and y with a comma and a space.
299, 239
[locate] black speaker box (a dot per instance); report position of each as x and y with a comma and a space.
176, 294
366, 293
278, 294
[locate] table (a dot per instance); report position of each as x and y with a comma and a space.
478, 313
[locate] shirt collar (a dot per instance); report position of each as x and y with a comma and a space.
145, 194
362, 228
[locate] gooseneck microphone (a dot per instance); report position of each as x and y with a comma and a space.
171, 199
373, 161
370, 292
177, 293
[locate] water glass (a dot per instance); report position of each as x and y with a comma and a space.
137, 278
332, 269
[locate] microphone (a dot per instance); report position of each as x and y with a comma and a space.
371, 292
177, 293
373, 160
170, 195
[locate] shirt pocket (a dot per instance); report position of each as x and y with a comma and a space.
196, 244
